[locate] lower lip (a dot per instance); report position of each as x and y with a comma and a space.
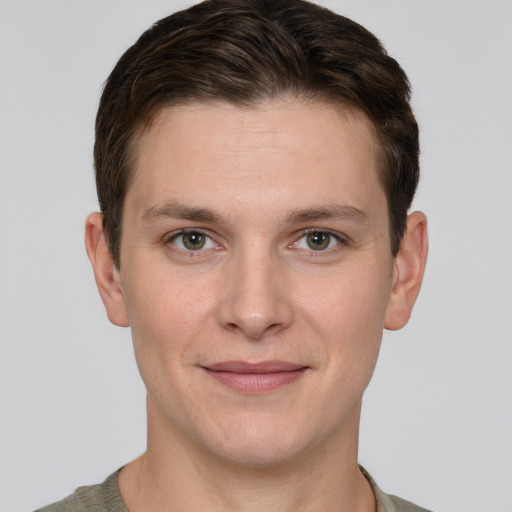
256, 382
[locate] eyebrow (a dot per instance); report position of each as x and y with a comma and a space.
178, 210
327, 212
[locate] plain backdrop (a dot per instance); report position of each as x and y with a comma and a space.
437, 420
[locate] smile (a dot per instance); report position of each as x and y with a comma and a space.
255, 378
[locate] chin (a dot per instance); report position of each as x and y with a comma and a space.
259, 454
259, 444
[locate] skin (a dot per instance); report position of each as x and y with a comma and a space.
254, 183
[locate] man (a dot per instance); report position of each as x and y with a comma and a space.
255, 162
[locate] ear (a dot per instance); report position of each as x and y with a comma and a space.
107, 276
408, 272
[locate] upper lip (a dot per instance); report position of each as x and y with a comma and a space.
262, 367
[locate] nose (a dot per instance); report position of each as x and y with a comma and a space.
254, 298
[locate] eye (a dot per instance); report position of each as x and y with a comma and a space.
192, 241
317, 240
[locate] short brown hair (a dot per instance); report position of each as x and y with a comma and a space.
245, 52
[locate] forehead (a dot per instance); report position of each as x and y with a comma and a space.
282, 151
192, 119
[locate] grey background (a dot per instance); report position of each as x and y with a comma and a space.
437, 422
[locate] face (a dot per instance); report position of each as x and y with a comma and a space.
256, 275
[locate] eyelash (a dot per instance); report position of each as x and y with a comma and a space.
340, 240
172, 237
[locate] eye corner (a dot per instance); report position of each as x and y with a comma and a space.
318, 241
191, 242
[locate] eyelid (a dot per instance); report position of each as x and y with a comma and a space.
331, 232
342, 240
173, 235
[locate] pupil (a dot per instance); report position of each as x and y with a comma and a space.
193, 241
318, 241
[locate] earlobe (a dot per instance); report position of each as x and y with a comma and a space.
409, 267
106, 275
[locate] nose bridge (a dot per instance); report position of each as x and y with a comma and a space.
255, 301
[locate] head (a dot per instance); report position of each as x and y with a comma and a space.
255, 161
246, 53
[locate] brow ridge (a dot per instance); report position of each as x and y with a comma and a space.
180, 211
332, 211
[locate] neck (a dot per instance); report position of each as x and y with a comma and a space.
175, 474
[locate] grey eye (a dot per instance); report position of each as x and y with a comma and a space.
318, 240
193, 241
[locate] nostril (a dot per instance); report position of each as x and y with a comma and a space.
254, 332
230, 326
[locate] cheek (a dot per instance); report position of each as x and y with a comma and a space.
352, 297
167, 319
347, 311
167, 313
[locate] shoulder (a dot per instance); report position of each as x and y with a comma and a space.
388, 502
401, 505
103, 497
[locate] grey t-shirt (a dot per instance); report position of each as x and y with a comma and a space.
105, 497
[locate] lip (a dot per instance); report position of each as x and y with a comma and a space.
255, 378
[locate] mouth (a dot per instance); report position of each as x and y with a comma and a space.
255, 378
